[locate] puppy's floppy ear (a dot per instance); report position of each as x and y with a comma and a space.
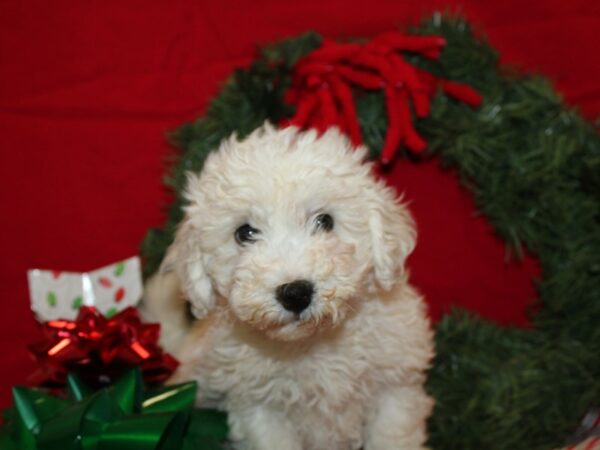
393, 235
185, 258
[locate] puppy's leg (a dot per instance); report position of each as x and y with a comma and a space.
260, 428
164, 303
399, 419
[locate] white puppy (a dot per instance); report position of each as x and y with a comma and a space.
291, 255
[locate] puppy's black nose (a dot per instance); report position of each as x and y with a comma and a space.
295, 296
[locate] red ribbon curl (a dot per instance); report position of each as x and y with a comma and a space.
322, 83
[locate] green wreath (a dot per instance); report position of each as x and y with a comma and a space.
533, 166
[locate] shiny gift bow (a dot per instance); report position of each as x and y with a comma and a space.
99, 349
119, 417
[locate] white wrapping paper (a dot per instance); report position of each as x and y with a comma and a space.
57, 294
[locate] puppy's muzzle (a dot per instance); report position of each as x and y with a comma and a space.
295, 296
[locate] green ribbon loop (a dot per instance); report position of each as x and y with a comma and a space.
128, 391
76, 388
171, 398
160, 431
119, 417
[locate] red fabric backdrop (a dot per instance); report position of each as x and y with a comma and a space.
88, 89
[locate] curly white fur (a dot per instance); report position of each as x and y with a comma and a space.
348, 371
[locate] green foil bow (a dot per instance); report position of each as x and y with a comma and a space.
121, 416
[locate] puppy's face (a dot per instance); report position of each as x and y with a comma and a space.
292, 231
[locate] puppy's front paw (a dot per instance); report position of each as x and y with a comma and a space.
399, 420
262, 429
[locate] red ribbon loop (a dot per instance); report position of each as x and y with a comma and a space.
323, 81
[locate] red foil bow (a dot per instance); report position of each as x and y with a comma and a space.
323, 80
100, 350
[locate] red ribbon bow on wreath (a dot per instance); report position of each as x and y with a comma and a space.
100, 350
323, 80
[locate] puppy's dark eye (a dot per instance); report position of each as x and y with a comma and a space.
323, 222
246, 234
